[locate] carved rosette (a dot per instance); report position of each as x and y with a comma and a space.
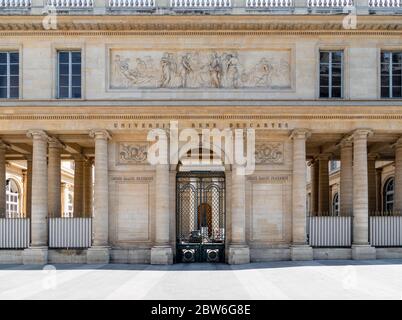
132, 153
269, 153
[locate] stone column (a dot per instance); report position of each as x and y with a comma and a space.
161, 252
54, 178
346, 178
371, 177
28, 201
78, 186
314, 170
323, 185
88, 193
361, 248
63, 197
239, 251
99, 252
398, 177
37, 253
3, 148
299, 249
378, 189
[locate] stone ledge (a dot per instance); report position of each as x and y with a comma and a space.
130, 256
162, 255
11, 256
238, 255
301, 253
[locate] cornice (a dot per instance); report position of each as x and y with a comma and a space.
168, 117
195, 25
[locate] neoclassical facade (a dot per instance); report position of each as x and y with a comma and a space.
89, 80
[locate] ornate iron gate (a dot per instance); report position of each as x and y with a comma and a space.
200, 216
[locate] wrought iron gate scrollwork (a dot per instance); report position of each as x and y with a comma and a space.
200, 216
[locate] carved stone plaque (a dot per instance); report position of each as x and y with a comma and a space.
269, 153
132, 153
232, 69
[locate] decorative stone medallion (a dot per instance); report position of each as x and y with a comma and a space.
132, 153
269, 153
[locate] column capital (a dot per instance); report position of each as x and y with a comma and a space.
300, 133
102, 134
362, 133
397, 143
4, 145
78, 157
55, 143
324, 156
37, 134
372, 156
346, 142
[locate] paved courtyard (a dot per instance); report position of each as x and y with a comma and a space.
379, 279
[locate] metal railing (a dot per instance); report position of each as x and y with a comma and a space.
385, 230
14, 233
70, 232
70, 4
13, 4
327, 231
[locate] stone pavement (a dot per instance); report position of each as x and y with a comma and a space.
374, 279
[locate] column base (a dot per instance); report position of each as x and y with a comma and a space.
363, 252
239, 254
98, 255
301, 253
161, 255
35, 255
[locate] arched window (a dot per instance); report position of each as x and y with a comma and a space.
12, 199
388, 194
335, 204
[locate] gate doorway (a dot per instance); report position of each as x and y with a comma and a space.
200, 217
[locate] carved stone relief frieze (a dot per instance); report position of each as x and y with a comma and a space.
230, 69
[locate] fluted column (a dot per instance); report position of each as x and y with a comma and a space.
398, 177
314, 171
161, 252
299, 249
54, 178
299, 182
361, 248
101, 189
323, 185
78, 185
39, 209
346, 178
239, 252
371, 180
3, 148
88, 193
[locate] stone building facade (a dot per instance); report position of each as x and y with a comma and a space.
88, 82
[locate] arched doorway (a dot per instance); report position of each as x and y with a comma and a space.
200, 216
